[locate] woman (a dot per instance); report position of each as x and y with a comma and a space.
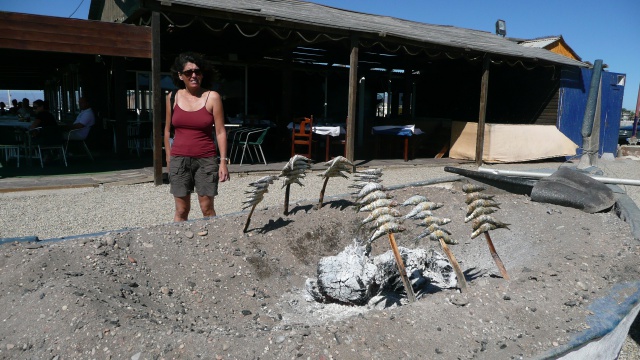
191, 159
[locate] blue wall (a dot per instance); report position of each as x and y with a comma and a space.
574, 87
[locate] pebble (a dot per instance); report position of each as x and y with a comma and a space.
581, 286
459, 301
188, 234
203, 233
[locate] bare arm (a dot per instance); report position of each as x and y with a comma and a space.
221, 133
167, 129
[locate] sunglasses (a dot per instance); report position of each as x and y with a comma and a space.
190, 72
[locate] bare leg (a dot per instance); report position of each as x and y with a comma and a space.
206, 205
183, 206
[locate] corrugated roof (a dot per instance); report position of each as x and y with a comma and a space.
327, 17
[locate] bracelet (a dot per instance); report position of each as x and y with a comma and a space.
227, 160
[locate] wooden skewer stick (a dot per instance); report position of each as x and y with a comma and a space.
495, 257
324, 186
286, 200
401, 269
462, 282
246, 224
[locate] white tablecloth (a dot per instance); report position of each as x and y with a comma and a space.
330, 130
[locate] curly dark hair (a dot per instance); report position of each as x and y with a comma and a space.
209, 73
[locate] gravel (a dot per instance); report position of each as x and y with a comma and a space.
70, 212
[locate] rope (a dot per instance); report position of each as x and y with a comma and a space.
247, 35
174, 24
305, 39
212, 29
278, 35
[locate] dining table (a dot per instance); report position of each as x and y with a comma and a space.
406, 131
13, 123
327, 131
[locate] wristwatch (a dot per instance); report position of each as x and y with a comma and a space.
227, 160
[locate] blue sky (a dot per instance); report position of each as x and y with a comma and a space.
594, 29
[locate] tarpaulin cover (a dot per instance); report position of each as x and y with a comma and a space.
509, 143
571, 188
400, 130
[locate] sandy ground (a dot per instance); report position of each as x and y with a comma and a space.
205, 289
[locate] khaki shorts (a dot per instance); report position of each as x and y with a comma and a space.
187, 172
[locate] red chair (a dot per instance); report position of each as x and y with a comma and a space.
302, 136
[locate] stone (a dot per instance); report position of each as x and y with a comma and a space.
188, 234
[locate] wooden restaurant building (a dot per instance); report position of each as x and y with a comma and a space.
282, 59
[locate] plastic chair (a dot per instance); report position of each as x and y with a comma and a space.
257, 144
49, 137
11, 142
84, 144
237, 140
302, 135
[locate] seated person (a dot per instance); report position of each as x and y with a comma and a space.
3, 111
43, 117
85, 120
14, 107
24, 112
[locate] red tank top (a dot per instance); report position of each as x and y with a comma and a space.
193, 133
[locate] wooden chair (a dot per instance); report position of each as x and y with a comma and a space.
302, 136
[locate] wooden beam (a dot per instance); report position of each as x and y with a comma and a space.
484, 88
53, 34
157, 98
353, 89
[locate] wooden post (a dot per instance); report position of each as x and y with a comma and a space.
246, 224
401, 269
495, 257
462, 282
286, 199
484, 89
324, 186
353, 89
157, 98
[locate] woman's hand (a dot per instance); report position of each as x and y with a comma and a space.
223, 172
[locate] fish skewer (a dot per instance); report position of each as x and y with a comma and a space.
336, 168
387, 220
422, 210
478, 210
260, 187
292, 172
